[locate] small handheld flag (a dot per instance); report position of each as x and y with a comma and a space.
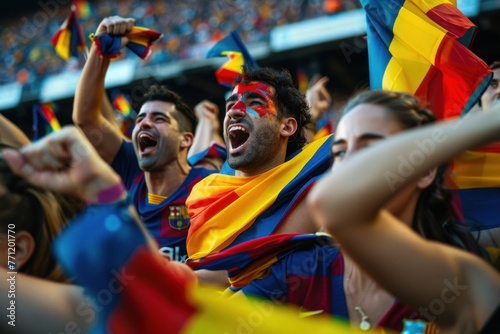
231, 46
140, 41
122, 104
68, 40
44, 120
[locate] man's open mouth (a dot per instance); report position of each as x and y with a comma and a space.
146, 142
238, 135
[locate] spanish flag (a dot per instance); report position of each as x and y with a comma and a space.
44, 120
68, 40
231, 46
139, 292
226, 210
421, 47
140, 41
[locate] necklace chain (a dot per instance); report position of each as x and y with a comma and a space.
364, 324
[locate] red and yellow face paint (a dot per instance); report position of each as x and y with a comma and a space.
260, 89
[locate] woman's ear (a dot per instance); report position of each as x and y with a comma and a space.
25, 246
288, 126
427, 179
187, 139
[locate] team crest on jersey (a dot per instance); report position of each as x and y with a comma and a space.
179, 217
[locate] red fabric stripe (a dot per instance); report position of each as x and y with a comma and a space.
490, 148
317, 297
450, 18
449, 84
225, 76
209, 208
153, 288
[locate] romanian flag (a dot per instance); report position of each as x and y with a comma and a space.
251, 259
140, 41
68, 40
122, 105
44, 120
226, 210
421, 47
231, 46
139, 292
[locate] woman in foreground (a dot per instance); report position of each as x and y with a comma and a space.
458, 291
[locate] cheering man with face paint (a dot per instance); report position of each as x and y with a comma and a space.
270, 168
154, 166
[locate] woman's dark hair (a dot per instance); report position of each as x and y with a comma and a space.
289, 101
434, 215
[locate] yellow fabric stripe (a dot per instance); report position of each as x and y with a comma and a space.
476, 170
155, 199
238, 315
235, 61
414, 47
63, 47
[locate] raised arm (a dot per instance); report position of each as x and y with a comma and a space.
319, 99
10, 134
349, 202
207, 130
87, 115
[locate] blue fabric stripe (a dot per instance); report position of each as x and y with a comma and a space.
380, 18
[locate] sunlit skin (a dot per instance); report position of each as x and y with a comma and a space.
156, 119
242, 91
363, 126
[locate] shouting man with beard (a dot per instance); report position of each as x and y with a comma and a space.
269, 172
154, 166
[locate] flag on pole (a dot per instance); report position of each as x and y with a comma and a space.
421, 47
44, 120
231, 46
122, 104
68, 40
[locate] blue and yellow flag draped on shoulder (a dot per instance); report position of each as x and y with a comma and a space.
226, 210
231, 46
421, 47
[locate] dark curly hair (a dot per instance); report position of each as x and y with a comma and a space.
289, 101
185, 114
434, 216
